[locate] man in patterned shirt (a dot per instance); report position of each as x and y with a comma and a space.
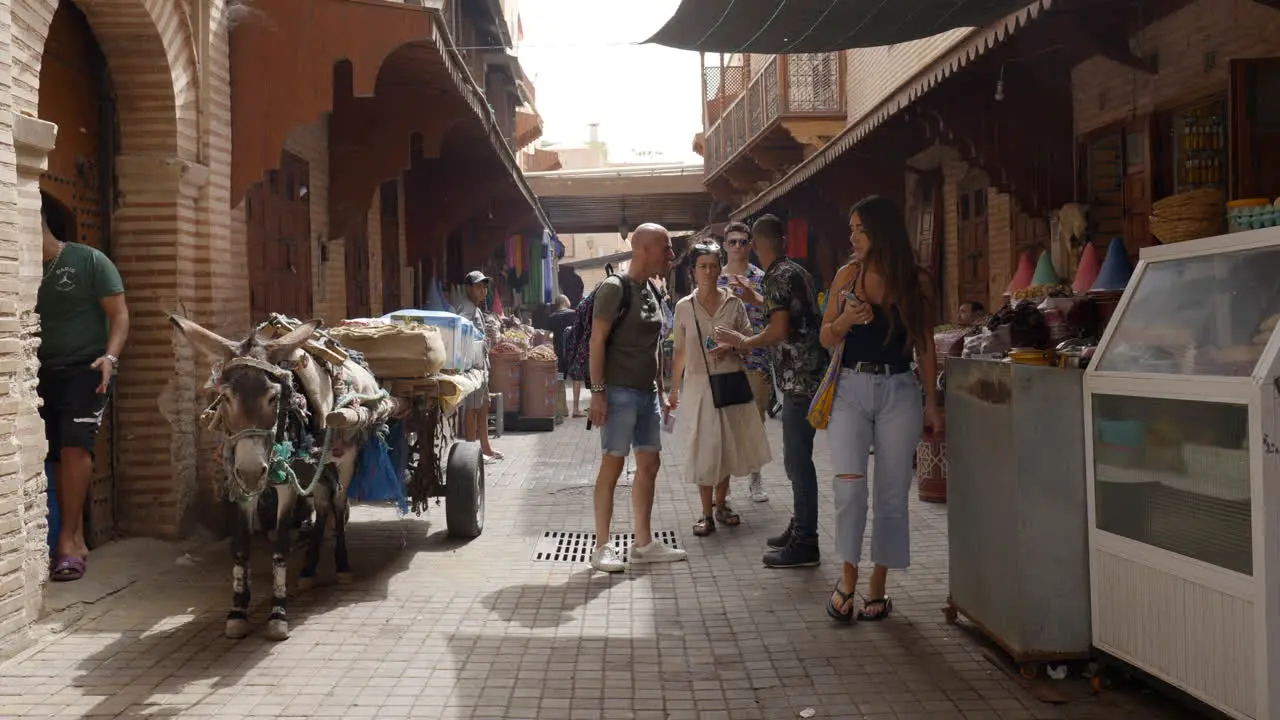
747, 282
799, 362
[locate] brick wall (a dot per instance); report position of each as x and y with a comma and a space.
23, 568
171, 240
953, 171
1000, 246
873, 74
1106, 92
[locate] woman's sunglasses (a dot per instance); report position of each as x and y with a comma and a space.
707, 247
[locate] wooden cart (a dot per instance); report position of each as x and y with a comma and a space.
436, 464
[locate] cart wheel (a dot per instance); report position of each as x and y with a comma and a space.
464, 491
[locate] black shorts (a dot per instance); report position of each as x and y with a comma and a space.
72, 410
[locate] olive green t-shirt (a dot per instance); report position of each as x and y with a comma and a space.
73, 325
632, 359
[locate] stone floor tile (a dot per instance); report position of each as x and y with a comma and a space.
437, 628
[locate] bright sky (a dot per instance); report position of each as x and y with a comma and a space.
585, 68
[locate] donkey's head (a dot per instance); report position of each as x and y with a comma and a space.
253, 392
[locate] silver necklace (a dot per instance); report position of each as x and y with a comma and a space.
54, 263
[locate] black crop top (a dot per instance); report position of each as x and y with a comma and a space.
866, 343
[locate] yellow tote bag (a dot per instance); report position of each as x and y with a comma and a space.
820, 407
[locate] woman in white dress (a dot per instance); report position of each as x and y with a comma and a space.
723, 442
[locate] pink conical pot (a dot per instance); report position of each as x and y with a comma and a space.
1087, 272
1022, 278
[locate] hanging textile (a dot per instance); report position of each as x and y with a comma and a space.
548, 279
797, 238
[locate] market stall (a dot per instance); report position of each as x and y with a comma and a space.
1015, 478
1182, 408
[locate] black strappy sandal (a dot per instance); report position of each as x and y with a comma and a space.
845, 598
705, 526
876, 610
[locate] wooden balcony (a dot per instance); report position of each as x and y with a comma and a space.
791, 107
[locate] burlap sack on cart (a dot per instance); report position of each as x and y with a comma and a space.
396, 351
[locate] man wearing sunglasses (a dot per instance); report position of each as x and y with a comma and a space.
747, 282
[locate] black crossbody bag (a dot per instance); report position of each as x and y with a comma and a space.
727, 389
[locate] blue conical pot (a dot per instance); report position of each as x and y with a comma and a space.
1116, 269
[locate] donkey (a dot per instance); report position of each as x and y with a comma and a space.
256, 407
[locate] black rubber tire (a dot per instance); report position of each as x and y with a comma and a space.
464, 491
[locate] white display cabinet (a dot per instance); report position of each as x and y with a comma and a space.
1182, 443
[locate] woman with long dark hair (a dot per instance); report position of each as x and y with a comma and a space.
878, 316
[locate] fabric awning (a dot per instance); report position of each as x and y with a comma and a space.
966, 51
812, 26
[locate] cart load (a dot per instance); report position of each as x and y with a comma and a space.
394, 350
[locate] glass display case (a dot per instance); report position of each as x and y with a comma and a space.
1181, 417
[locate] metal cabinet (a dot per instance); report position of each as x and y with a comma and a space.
1016, 502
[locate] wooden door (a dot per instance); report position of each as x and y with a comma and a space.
356, 251
390, 240
1138, 176
929, 237
278, 214
1254, 107
76, 93
972, 239
1103, 185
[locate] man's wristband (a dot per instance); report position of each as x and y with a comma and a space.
115, 361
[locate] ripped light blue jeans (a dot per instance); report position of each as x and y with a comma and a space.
884, 411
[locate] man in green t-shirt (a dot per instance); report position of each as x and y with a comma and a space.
627, 402
83, 325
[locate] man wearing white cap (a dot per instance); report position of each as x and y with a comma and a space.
476, 424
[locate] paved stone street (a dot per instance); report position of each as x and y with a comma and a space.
437, 629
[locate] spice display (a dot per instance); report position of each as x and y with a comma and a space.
541, 352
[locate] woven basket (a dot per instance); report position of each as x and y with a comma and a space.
1177, 230
1191, 205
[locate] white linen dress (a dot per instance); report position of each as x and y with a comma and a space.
729, 441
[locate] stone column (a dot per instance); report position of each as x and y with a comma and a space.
22, 442
156, 245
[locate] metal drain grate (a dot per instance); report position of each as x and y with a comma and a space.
576, 547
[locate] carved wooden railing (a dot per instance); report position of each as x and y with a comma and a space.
789, 86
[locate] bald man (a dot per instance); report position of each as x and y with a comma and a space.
627, 402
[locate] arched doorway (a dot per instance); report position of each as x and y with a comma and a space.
77, 93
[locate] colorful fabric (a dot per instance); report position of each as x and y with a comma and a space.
798, 238
799, 361
758, 359
824, 400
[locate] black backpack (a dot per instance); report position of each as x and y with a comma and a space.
577, 339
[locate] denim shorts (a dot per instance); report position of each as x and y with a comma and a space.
633, 421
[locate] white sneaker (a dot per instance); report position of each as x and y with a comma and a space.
605, 559
757, 489
656, 552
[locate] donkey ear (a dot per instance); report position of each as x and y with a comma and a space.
292, 340
210, 343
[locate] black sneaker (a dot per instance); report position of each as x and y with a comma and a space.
777, 542
797, 553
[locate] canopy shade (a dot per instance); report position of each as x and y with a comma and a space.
811, 26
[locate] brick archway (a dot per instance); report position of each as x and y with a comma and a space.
160, 238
